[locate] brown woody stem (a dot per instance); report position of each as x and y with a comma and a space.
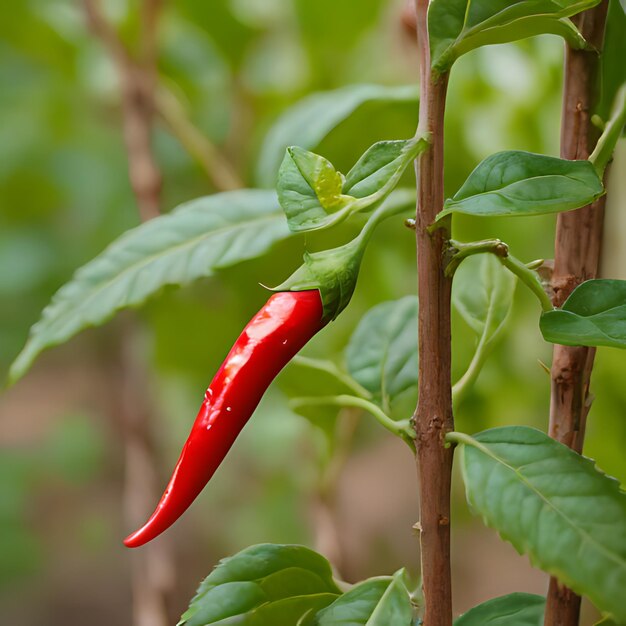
138, 84
153, 570
433, 416
576, 259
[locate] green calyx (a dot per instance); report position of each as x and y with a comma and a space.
334, 272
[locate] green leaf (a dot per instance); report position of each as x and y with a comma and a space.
515, 609
382, 352
310, 190
295, 611
313, 118
609, 622
483, 293
193, 241
374, 602
314, 195
380, 166
458, 26
263, 584
593, 315
554, 505
523, 183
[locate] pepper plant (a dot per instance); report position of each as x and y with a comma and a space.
536, 489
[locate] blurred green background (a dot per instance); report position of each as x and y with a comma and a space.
237, 65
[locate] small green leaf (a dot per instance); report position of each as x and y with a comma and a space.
263, 584
483, 293
309, 121
374, 602
593, 315
193, 241
309, 189
458, 26
554, 505
314, 195
523, 183
383, 162
382, 352
515, 609
609, 622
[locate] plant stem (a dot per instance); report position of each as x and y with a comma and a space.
433, 416
400, 429
216, 167
322, 365
576, 258
462, 386
530, 279
328, 540
603, 151
494, 246
459, 251
138, 83
460, 439
153, 569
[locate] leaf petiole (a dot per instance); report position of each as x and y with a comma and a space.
603, 151
329, 367
461, 387
460, 251
401, 428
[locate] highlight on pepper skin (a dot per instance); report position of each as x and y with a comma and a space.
269, 341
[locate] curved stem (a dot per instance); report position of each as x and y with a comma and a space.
322, 365
458, 438
459, 251
389, 208
530, 279
465, 383
217, 168
606, 144
401, 428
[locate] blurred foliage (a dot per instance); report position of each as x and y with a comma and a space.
237, 65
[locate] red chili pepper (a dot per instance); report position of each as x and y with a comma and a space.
269, 341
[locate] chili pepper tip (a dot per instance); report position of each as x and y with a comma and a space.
138, 538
